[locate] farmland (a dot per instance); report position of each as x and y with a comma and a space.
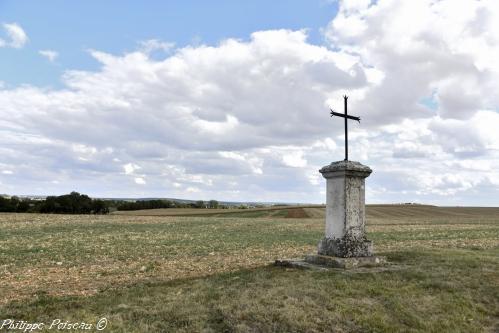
211, 271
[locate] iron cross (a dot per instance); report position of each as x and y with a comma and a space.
346, 117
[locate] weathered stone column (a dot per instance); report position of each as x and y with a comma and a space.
344, 245
345, 210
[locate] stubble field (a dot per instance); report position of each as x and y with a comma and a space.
214, 273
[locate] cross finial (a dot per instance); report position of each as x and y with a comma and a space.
346, 117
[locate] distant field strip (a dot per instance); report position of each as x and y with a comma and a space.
318, 211
277, 211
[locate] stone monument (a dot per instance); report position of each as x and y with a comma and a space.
345, 244
345, 210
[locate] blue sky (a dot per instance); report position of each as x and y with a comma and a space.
230, 100
72, 27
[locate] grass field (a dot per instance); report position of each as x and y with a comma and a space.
214, 273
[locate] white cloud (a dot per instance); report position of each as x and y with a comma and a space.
192, 190
150, 45
130, 168
49, 54
217, 127
140, 180
16, 37
236, 95
327, 143
294, 159
422, 47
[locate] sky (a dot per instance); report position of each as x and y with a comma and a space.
230, 100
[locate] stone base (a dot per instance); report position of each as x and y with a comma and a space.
299, 263
345, 247
319, 262
337, 262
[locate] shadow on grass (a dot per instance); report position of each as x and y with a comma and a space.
444, 291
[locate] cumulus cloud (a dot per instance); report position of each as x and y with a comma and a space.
16, 37
249, 120
234, 96
436, 86
423, 48
207, 119
49, 54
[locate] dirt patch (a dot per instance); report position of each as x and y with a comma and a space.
297, 213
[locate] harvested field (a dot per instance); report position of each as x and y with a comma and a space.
318, 211
297, 213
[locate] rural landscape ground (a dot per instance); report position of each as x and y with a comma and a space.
211, 271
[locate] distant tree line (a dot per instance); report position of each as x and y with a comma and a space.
154, 204
14, 205
76, 203
73, 203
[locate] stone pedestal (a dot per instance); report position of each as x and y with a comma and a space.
345, 245
345, 211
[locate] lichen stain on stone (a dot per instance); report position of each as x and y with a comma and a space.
346, 247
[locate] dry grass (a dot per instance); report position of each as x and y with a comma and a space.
80, 255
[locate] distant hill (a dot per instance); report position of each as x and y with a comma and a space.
225, 203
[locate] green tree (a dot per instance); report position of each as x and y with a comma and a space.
213, 204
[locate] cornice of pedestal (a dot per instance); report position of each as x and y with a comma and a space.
345, 168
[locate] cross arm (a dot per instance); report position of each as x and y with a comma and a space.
344, 116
